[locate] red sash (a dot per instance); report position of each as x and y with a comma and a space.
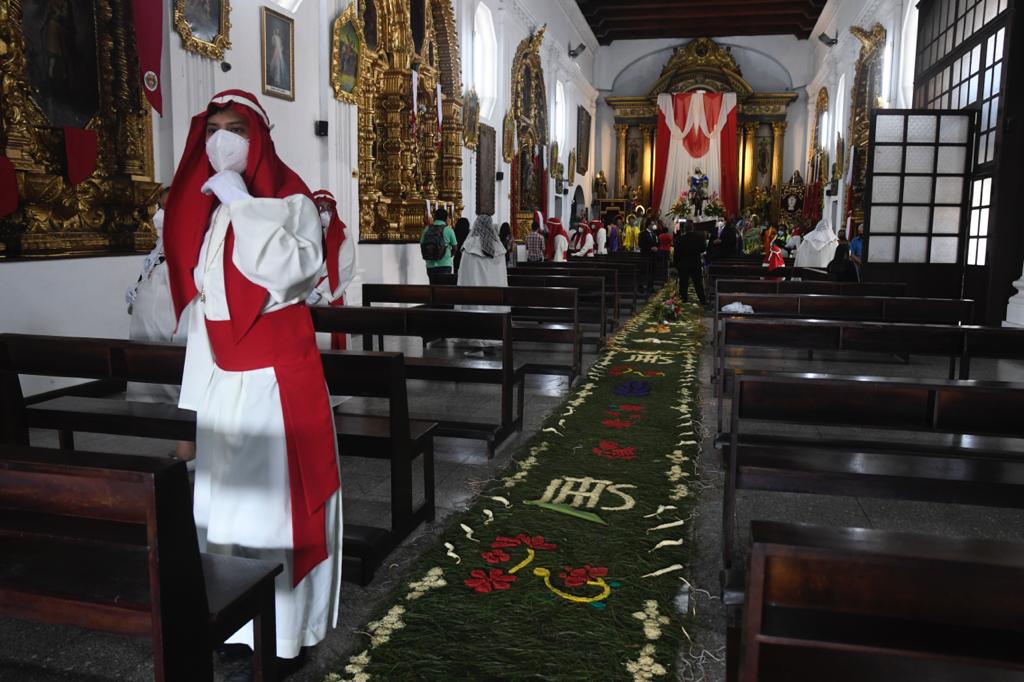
285, 340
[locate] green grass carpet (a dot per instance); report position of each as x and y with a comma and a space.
569, 567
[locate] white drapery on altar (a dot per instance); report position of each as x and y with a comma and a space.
696, 130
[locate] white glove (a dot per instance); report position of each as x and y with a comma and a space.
313, 298
228, 186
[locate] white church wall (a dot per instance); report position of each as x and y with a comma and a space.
514, 20
838, 63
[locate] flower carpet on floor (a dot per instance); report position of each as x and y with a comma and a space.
573, 565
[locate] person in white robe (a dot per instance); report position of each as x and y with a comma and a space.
245, 245
153, 319
584, 242
817, 247
600, 237
339, 268
483, 265
558, 241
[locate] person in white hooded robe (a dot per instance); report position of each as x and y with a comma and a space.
817, 247
483, 260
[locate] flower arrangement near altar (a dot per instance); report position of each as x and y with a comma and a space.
714, 207
681, 208
670, 310
762, 200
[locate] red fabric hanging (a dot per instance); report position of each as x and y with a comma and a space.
80, 148
148, 17
8, 187
661, 145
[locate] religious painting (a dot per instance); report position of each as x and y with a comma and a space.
572, 166
485, 170
529, 182
553, 158
471, 119
277, 40
346, 56
370, 24
203, 26
508, 137
791, 203
582, 140
61, 59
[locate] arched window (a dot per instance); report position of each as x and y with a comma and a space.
560, 114
485, 62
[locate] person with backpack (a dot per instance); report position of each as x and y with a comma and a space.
437, 245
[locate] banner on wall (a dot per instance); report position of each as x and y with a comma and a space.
696, 130
148, 18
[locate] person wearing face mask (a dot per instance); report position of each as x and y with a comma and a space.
244, 244
153, 319
339, 261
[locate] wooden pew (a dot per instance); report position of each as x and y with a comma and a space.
630, 277
895, 468
842, 307
853, 604
957, 343
395, 437
107, 542
730, 271
433, 323
644, 273
613, 292
553, 313
590, 289
789, 286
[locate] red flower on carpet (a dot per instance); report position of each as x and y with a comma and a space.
575, 577
610, 449
616, 423
619, 370
493, 579
634, 417
653, 373
631, 408
496, 556
535, 542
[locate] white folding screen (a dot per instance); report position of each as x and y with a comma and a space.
918, 172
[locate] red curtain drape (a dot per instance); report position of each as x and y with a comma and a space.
660, 158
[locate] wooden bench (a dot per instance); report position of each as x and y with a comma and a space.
395, 437
630, 277
904, 468
553, 314
840, 307
718, 271
957, 343
789, 286
107, 542
853, 604
644, 273
432, 323
613, 293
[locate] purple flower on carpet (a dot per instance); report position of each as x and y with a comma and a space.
634, 389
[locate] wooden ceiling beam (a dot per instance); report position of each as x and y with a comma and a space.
706, 30
777, 16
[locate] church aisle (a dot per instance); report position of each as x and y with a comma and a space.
586, 539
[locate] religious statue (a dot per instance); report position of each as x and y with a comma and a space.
698, 191
600, 186
796, 179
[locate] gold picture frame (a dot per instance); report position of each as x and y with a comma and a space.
553, 158
571, 165
471, 120
347, 55
276, 76
508, 137
197, 31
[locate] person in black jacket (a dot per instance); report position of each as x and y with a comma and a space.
461, 233
689, 252
724, 244
649, 247
842, 269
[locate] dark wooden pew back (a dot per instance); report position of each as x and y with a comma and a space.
107, 542
855, 604
768, 286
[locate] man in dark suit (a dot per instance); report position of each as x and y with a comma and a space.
724, 242
649, 247
689, 250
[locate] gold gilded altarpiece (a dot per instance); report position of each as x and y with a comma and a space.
110, 210
529, 117
404, 161
702, 64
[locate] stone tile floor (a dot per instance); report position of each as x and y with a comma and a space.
32, 652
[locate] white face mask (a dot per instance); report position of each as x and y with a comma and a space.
227, 151
158, 222
325, 218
